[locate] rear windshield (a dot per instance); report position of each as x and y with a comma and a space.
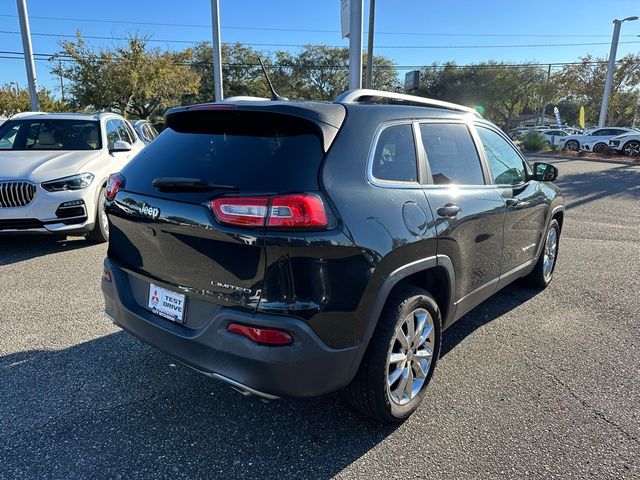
50, 134
255, 153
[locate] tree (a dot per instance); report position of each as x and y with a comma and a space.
315, 72
584, 82
499, 91
14, 100
133, 80
241, 72
322, 73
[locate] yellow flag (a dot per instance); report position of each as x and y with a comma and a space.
581, 120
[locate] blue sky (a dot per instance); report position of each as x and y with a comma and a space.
410, 32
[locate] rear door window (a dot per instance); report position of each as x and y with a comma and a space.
451, 154
394, 159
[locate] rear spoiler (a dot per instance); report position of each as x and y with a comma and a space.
327, 118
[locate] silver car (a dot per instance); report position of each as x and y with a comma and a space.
145, 131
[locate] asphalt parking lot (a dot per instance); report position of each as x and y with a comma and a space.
530, 385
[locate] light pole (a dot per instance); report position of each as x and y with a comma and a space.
217, 53
23, 16
369, 73
610, 68
355, 44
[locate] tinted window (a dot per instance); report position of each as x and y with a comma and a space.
50, 135
147, 134
617, 131
596, 133
153, 132
395, 155
507, 167
112, 133
129, 133
451, 154
256, 153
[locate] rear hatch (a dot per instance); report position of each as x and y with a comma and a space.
163, 225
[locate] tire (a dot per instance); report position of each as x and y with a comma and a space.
542, 273
369, 392
572, 145
599, 147
100, 232
631, 148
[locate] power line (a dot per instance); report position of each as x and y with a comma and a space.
7, 54
429, 47
308, 30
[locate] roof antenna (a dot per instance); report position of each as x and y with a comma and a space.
274, 94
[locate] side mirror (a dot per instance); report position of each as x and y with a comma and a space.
544, 172
120, 146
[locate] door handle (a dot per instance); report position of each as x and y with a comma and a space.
512, 202
449, 210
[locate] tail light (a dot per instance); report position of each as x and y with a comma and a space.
114, 185
304, 210
265, 336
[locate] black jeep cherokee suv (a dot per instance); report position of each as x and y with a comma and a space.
296, 248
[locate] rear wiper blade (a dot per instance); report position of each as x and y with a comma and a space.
180, 184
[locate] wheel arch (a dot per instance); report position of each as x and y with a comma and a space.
434, 274
559, 216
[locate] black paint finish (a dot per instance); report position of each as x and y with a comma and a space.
456, 240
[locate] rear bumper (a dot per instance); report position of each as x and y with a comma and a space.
306, 368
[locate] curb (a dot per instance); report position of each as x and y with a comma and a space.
583, 159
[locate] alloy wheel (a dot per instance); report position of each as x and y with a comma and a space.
104, 221
410, 357
632, 149
572, 145
550, 253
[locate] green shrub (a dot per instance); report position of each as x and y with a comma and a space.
534, 142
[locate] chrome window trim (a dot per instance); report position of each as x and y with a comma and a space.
379, 182
469, 122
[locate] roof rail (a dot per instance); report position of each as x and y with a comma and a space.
25, 114
244, 98
364, 95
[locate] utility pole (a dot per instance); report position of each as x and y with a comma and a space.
355, 44
610, 69
217, 56
28, 54
61, 81
635, 109
369, 76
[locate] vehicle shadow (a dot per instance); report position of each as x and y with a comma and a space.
586, 187
17, 248
116, 407
510, 297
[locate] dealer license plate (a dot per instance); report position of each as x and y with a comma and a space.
166, 303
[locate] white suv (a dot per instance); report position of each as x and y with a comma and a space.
53, 169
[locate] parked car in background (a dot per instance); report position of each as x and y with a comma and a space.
553, 136
146, 132
597, 138
518, 133
53, 169
341, 270
628, 144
